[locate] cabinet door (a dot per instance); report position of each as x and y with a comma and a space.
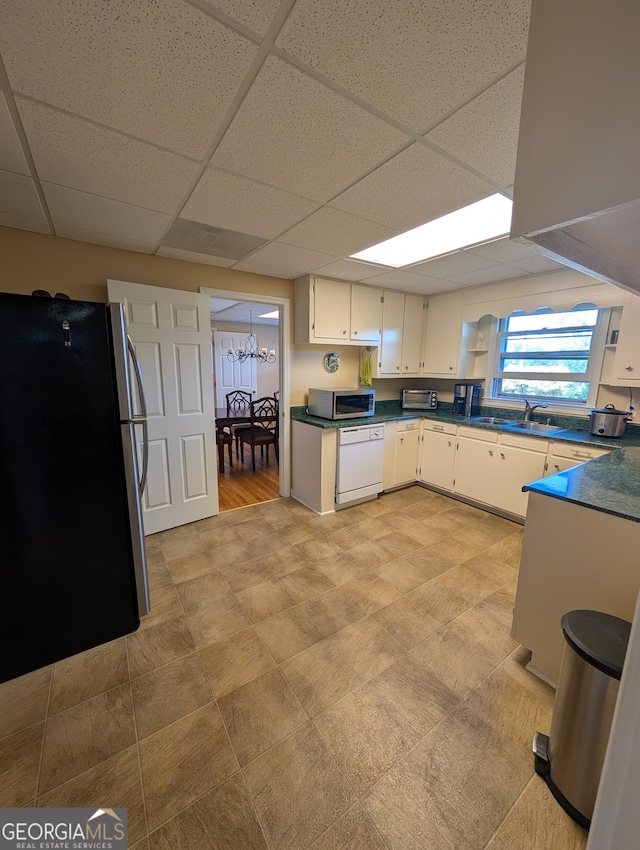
438, 458
443, 336
406, 469
392, 324
332, 309
626, 364
412, 335
366, 314
513, 469
474, 470
559, 464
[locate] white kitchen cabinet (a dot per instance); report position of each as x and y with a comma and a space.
406, 460
563, 456
366, 314
390, 360
443, 336
401, 346
438, 454
626, 362
494, 468
333, 311
412, 334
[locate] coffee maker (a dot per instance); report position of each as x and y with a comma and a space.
466, 399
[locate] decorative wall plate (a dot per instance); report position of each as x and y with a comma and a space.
331, 362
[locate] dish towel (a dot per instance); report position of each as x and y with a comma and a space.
365, 371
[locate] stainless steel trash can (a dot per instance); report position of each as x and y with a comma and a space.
570, 758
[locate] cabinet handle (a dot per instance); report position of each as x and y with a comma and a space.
629, 368
502, 455
449, 443
438, 427
451, 368
406, 367
402, 439
556, 466
398, 368
355, 333
490, 453
344, 332
582, 454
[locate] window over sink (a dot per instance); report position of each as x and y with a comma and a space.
550, 357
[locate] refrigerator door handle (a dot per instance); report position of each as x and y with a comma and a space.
140, 419
135, 517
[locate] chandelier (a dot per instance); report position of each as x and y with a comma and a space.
251, 348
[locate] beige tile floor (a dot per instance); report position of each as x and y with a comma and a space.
338, 683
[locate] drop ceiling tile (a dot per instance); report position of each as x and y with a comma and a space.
143, 68
434, 287
396, 279
298, 135
454, 264
21, 223
111, 164
100, 239
490, 275
335, 232
417, 59
417, 185
18, 196
70, 208
348, 270
11, 155
285, 261
484, 133
502, 251
538, 264
255, 14
236, 203
192, 257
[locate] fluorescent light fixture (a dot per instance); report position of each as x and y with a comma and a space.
479, 222
275, 314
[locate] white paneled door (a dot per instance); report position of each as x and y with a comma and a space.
229, 375
172, 336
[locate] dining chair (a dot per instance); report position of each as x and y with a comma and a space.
223, 438
264, 429
238, 400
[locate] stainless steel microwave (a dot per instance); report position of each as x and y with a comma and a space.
341, 403
419, 399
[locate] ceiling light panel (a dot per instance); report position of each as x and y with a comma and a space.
476, 222
294, 133
386, 52
143, 68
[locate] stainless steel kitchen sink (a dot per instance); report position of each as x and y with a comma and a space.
537, 427
490, 420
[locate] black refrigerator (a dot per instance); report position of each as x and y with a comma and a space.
72, 568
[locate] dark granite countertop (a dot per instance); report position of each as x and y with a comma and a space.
610, 484
391, 411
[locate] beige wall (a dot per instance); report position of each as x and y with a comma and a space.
268, 374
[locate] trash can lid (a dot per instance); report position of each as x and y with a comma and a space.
599, 638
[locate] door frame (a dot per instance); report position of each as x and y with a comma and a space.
284, 369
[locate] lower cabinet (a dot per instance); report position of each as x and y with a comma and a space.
407, 441
493, 470
438, 454
565, 456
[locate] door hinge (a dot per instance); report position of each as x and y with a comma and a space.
382, 299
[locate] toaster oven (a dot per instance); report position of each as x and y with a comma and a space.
419, 399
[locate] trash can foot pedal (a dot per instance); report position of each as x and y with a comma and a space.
541, 754
543, 769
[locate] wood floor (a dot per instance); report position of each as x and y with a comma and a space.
239, 486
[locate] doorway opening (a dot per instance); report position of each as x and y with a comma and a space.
232, 320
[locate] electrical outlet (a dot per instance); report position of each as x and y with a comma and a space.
631, 411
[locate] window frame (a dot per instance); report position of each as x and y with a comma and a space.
591, 375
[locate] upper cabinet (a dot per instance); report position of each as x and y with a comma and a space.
443, 337
626, 362
401, 347
330, 311
577, 183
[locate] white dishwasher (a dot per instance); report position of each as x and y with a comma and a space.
359, 472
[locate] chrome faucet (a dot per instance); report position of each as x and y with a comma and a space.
529, 408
